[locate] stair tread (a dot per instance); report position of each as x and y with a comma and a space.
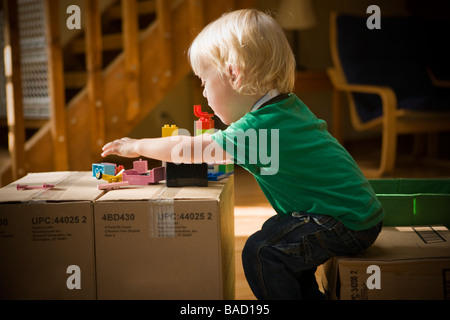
75, 79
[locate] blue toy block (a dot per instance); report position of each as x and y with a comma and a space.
217, 176
106, 168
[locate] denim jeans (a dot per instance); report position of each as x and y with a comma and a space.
281, 259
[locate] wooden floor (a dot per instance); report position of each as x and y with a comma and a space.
252, 208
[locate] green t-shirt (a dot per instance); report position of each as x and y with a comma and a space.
299, 166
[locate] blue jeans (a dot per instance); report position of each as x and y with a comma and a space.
281, 259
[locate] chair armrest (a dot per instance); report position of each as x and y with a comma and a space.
387, 95
438, 82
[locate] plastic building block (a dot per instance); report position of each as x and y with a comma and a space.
118, 169
217, 176
108, 177
226, 167
106, 168
27, 187
179, 175
158, 173
151, 177
139, 175
169, 130
140, 166
213, 168
204, 123
112, 185
220, 170
186, 174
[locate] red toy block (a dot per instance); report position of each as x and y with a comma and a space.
204, 122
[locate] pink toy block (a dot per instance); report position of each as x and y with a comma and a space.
154, 176
27, 187
140, 166
112, 185
158, 173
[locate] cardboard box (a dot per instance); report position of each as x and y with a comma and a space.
46, 237
156, 242
404, 263
414, 202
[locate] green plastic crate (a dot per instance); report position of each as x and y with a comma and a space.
414, 202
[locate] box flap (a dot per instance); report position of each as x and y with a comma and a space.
133, 192
68, 186
160, 191
10, 193
212, 191
401, 243
78, 186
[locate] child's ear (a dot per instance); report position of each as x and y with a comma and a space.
235, 78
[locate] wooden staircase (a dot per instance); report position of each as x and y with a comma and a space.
103, 83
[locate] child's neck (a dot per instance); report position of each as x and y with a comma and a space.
269, 95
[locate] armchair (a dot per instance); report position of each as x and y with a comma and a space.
387, 79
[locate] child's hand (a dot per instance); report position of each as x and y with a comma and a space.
124, 147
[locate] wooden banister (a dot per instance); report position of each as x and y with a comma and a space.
56, 86
197, 14
14, 107
94, 115
130, 31
94, 75
163, 9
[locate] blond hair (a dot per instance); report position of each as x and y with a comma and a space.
250, 42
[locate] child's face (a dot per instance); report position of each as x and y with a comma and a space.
223, 99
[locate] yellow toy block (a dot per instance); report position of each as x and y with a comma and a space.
169, 130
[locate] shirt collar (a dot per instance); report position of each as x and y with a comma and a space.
269, 95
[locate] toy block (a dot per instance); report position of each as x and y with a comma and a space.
151, 177
216, 176
112, 185
136, 179
186, 174
104, 167
213, 168
204, 123
226, 167
108, 177
141, 166
169, 130
158, 174
44, 186
119, 168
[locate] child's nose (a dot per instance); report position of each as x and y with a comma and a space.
204, 92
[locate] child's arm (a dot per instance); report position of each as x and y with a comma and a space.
185, 149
